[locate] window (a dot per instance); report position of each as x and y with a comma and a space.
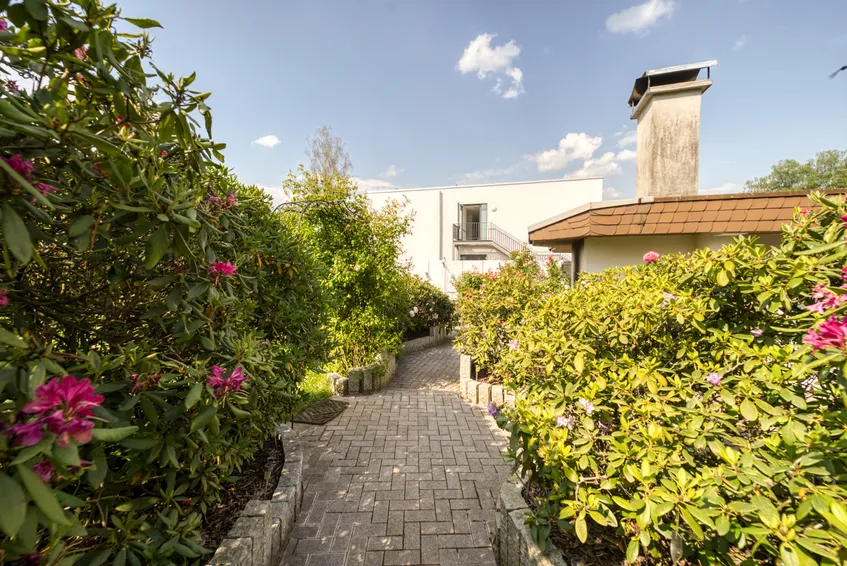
472, 257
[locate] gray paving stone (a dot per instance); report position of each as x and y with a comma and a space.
407, 475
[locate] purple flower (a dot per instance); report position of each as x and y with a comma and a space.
231, 200
587, 405
805, 212
492, 409
714, 378
44, 470
565, 422
26, 434
81, 53
757, 332
832, 333
4, 25
650, 257
213, 198
78, 429
4, 298
216, 381
20, 166
514, 344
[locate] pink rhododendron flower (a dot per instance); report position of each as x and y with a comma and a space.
20, 166
74, 398
757, 332
45, 189
26, 434
587, 405
44, 470
119, 119
4, 25
514, 344
650, 257
236, 378
231, 200
844, 218
714, 378
4, 298
833, 333
565, 422
223, 268
826, 299
78, 429
81, 53
805, 212
213, 198
164, 153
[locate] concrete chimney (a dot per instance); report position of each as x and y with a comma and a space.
666, 103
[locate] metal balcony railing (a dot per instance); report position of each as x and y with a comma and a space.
486, 232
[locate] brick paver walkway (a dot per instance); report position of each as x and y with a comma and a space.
405, 476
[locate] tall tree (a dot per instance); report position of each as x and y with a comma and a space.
826, 170
327, 155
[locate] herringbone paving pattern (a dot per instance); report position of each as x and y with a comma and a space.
406, 476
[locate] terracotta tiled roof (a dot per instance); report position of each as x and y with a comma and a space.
702, 214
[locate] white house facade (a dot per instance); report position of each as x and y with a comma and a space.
456, 229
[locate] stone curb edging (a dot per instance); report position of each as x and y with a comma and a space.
478, 392
260, 533
374, 377
513, 544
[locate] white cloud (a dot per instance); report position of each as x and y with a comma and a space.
610, 193
571, 147
278, 194
267, 141
722, 189
390, 172
627, 139
740, 42
481, 58
625, 155
600, 167
373, 184
486, 175
640, 18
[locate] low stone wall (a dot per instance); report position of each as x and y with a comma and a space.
260, 533
513, 542
478, 392
365, 380
372, 378
437, 335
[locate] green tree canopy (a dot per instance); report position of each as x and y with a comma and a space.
826, 170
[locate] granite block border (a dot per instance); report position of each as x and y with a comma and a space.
260, 533
513, 544
478, 392
376, 376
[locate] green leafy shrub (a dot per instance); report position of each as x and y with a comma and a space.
155, 315
360, 250
492, 305
429, 306
678, 406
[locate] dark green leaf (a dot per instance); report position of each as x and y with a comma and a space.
112, 434
42, 495
16, 235
144, 23
14, 505
156, 247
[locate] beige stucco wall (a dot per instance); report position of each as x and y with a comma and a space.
668, 158
600, 253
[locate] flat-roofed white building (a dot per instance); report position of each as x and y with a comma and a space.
459, 228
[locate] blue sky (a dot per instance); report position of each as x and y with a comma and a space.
538, 76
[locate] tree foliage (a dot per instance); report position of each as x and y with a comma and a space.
694, 407
364, 273
827, 170
327, 156
155, 315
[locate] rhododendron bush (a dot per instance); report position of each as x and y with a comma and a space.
693, 408
491, 305
429, 306
155, 315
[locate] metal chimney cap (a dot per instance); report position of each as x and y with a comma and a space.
666, 76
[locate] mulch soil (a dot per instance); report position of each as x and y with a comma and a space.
603, 546
257, 480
